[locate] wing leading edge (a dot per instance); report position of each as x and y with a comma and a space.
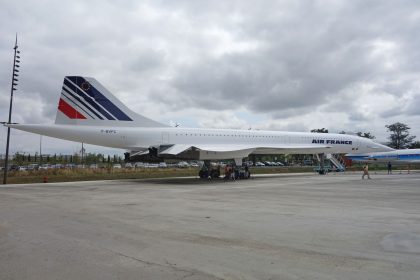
247, 149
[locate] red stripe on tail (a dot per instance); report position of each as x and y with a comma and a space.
69, 111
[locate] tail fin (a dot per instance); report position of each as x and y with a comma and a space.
84, 101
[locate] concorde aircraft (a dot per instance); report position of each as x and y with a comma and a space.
89, 113
396, 156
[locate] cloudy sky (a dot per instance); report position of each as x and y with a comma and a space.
278, 65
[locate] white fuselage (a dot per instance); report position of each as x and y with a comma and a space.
133, 138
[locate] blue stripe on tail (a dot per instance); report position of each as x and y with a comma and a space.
101, 99
81, 102
64, 92
82, 94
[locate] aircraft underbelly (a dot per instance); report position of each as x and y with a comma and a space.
209, 155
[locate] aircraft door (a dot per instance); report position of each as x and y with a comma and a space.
124, 139
356, 145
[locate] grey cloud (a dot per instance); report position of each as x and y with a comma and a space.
146, 61
295, 126
409, 106
358, 117
325, 53
391, 113
263, 83
413, 106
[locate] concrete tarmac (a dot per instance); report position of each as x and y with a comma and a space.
273, 227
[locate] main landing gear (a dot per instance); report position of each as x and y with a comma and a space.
208, 171
231, 171
322, 170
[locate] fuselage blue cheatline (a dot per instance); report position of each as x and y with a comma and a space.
87, 112
397, 156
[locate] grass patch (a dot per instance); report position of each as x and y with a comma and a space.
70, 175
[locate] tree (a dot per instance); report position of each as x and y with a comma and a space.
400, 137
76, 158
319, 130
415, 145
365, 135
18, 159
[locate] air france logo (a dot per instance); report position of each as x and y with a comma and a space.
332, 141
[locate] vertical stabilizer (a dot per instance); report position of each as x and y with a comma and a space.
84, 101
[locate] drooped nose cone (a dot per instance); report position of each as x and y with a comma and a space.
387, 149
381, 148
370, 146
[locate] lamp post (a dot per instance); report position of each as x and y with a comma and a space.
40, 149
16, 61
83, 151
